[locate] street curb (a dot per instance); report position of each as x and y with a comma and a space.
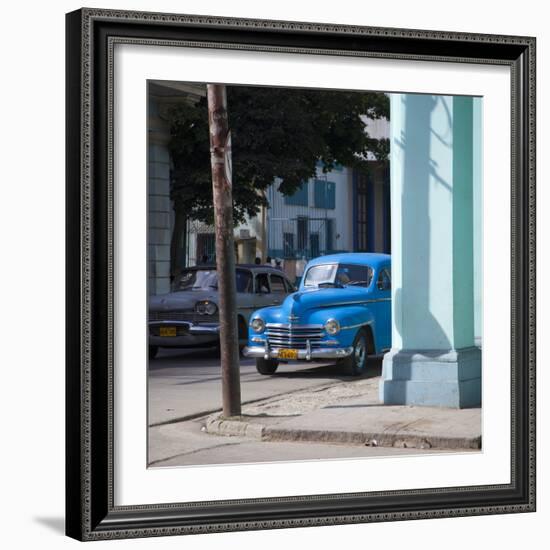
186, 418
218, 425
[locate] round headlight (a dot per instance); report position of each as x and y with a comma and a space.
257, 324
210, 308
206, 308
332, 326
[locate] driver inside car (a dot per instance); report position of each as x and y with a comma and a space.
342, 277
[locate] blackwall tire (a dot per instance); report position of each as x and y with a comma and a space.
243, 335
356, 363
153, 350
266, 366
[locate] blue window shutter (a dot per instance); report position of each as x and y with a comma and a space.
320, 194
325, 194
300, 197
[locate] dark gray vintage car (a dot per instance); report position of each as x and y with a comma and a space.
188, 316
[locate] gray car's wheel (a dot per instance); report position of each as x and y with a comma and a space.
356, 363
243, 334
153, 350
266, 366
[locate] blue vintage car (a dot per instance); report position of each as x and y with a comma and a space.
342, 312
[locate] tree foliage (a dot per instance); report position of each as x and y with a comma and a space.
277, 134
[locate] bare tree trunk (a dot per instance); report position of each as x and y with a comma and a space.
220, 156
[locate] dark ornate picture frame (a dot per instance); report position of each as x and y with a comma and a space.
90, 510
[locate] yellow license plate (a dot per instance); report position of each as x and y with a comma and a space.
167, 331
288, 354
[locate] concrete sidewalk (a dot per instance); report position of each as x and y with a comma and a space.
350, 413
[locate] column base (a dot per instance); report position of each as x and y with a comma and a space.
432, 378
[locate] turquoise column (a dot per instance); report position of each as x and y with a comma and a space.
478, 226
433, 360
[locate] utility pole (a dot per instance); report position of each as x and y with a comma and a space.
220, 157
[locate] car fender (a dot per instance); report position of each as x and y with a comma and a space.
351, 318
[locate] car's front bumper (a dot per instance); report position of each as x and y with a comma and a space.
308, 354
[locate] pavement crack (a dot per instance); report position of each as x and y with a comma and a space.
194, 451
401, 425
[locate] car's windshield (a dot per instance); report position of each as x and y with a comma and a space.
207, 279
197, 279
338, 275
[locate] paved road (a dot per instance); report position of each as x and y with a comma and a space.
187, 383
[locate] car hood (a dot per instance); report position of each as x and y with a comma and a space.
180, 301
302, 301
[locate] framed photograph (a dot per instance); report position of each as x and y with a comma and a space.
300, 274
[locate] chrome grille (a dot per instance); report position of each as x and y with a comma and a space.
294, 336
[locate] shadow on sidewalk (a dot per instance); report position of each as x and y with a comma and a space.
374, 369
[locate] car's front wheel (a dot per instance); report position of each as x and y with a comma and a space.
266, 366
153, 350
356, 363
243, 334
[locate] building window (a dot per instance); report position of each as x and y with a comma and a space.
337, 166
302, 223
288, 245
314, 244
329, 235
363, 208
206, 248
300, 196
325, 194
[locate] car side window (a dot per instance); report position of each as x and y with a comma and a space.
244, 280
289, 286
384, 280
357, 275
262, 283
278, 284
